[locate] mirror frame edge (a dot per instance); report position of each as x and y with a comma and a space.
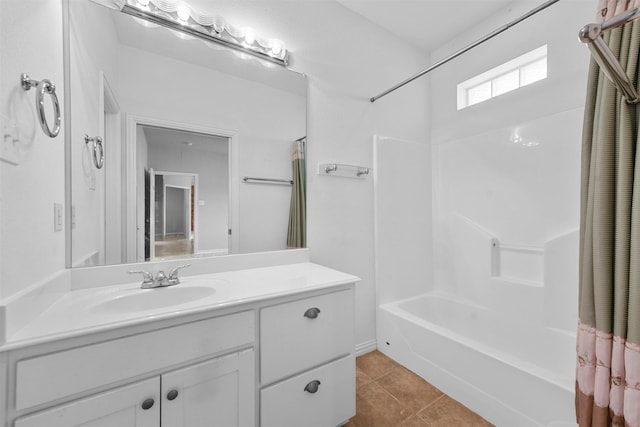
66, 59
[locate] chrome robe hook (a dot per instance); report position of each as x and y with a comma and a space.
42, 87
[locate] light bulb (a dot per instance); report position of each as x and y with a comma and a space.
183, 13
276, 47
219, 25
249, 36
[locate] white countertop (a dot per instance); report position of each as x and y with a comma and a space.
85, 311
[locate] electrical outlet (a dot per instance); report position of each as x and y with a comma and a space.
57, 217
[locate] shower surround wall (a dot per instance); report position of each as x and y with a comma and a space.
505, 226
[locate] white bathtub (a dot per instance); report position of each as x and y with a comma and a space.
513, 373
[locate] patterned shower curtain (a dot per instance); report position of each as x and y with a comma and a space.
608, 347
297, 233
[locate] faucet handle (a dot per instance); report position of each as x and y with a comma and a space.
173, 275
147, 278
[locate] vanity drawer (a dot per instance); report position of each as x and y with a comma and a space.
289, 404
302, 334
54, 376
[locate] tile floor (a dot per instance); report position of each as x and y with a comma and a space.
173, 246
389, 395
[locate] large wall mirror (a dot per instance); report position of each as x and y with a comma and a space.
161, 131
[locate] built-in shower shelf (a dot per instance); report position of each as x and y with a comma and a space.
518, 281
517, 263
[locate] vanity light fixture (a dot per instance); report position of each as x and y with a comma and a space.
179, 16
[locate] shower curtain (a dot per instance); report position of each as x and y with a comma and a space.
297, 232
608, 345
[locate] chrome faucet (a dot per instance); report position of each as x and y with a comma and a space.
161, 279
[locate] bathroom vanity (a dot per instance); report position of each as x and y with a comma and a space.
269, 346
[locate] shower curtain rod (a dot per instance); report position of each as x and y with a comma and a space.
467, 48
591, 35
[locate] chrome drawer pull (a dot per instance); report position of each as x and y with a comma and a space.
147, 404
312, 313
312, 387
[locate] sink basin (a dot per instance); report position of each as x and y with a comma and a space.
149, 299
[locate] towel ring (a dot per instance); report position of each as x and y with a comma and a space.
42, 87
98, 161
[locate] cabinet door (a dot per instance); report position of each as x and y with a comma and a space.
218, 392
122, 407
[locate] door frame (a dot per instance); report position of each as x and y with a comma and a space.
132, 122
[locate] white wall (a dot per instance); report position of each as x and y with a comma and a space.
346, 66
213, 188
30, 42
509, 169
93, 51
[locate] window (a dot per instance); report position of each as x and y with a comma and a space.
521, 71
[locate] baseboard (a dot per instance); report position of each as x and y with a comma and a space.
366, 347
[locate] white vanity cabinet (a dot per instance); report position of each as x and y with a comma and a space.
217, 393
194, 372
307, 364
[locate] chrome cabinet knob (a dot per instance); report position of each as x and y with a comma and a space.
312, 313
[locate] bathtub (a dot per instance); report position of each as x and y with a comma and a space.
513, 373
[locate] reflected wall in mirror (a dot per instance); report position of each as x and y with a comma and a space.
130, 80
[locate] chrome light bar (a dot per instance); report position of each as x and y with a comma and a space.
179, 18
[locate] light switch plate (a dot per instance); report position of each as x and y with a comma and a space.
57, 217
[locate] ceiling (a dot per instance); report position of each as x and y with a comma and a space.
167, 138
426, 24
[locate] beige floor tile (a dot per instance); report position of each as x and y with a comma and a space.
361, 378
377, 408
389, 395
375, 364
446, 412
410, 389
414, 421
